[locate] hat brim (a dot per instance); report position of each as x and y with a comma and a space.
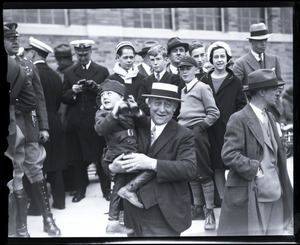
161, 97
260, 37
246, 87
185, 45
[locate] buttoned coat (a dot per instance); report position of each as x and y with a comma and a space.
229, 99
246, 64
242, 153
56, 147
176, 166
81, 111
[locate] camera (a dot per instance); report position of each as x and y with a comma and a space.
86, 83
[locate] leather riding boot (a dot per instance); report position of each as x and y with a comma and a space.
210, 221
21, 214
40, 189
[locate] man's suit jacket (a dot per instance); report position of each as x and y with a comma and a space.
176, 166
246, 64
242, 153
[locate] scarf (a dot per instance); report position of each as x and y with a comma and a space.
126, 75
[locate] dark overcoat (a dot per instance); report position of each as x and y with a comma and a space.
56, 150
242, 153
229, 99
82, 140
176, 166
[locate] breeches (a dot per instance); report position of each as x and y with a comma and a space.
28, 160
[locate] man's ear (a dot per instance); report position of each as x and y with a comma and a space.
147, 102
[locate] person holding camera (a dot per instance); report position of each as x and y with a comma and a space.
115, 120
83, 143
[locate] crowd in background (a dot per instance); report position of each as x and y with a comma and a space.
211, 88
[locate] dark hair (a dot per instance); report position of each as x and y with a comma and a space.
213, 50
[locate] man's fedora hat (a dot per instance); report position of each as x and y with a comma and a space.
62, 50
259, 32
176, 42
187, 61
164, 91
146, 46
10, 30
82, 46
39, 46
262, 78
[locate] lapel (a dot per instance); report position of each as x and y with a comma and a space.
268, 62
252, 121
86, 74
166, 135
226, 81
250, 59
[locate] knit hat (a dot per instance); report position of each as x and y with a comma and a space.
215, 45
112, 85
123, 44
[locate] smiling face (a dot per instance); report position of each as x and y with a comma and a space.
187, 73
161, 110
219, 58
109, 98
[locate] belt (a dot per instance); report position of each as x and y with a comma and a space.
119, 136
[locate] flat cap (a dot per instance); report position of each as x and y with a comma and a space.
187, 61
123, 44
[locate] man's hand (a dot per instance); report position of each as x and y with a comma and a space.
77, 88
43, 136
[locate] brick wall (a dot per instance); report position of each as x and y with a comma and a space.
104, 50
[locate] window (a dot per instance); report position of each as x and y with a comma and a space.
153, 18
286, 20
249, 16
206, 19
36, 16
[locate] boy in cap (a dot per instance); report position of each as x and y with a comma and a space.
64, 58
126, 72
117, 126
198, 112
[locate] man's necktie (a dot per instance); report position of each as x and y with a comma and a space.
84, 67
153, 134
266, 123
260, 60
157, 76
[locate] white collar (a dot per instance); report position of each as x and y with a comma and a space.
159, 128
147, 68
191, 84
256, 55
173, 69
161, 73
87, 65
258, 112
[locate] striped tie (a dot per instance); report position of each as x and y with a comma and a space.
153, 134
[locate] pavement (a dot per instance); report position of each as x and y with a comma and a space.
89, 217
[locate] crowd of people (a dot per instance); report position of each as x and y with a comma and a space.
162, 135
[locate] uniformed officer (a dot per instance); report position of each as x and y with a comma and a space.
31, 130
80, 88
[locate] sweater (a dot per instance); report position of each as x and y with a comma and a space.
199, 107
